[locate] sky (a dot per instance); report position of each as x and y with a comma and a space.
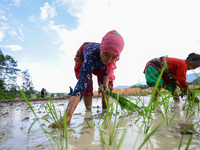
43, 36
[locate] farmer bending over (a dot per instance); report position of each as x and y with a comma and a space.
98, 59
174, 74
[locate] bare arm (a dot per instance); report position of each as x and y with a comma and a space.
73, 102
105, 82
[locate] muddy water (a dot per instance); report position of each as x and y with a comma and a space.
16, 118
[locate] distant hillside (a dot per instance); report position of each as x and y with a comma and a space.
121, 87
196, 81
192, 77
130, 86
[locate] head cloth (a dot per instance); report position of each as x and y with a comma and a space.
112, 43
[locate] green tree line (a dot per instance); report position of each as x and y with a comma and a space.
9, 73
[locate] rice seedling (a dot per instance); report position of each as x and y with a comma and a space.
113, 131
108, 115
122, 138
125, 104
36, 120
146, 114
102, 139
189, 102
150, 134
166, 105
190, 139
87, 122
53, 116
136, 141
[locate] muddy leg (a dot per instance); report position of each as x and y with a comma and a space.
88, 102
104, 101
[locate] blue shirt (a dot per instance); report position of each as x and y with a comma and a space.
92, 63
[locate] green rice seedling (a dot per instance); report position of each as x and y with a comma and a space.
87, 122
146, 115
36, 120
136, 141
189, 112
122, 138
62, 128
48, 108
165, 114
108, 115
102, 139
124, 103
113, 131
107, 119
65, 130
190, 139
150, 134
147, 112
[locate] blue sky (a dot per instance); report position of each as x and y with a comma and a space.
43, 36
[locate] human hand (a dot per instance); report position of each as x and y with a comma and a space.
102, 89
105, 87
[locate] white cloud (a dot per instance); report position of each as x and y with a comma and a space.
21, 34
2, 17
2, 35
17, 2
3, 29
12, 47
32, 18
47, 11
75, 7
2, 11
12, 33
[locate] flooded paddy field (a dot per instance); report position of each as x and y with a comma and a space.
84, 131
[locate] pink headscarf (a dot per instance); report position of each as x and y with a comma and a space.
112, 43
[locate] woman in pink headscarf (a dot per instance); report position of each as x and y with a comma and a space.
98, 59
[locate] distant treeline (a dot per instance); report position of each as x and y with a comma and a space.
140, 86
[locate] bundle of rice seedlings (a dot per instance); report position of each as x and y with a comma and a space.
124, 103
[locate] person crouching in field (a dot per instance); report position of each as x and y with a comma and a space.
98, 59
174, 74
